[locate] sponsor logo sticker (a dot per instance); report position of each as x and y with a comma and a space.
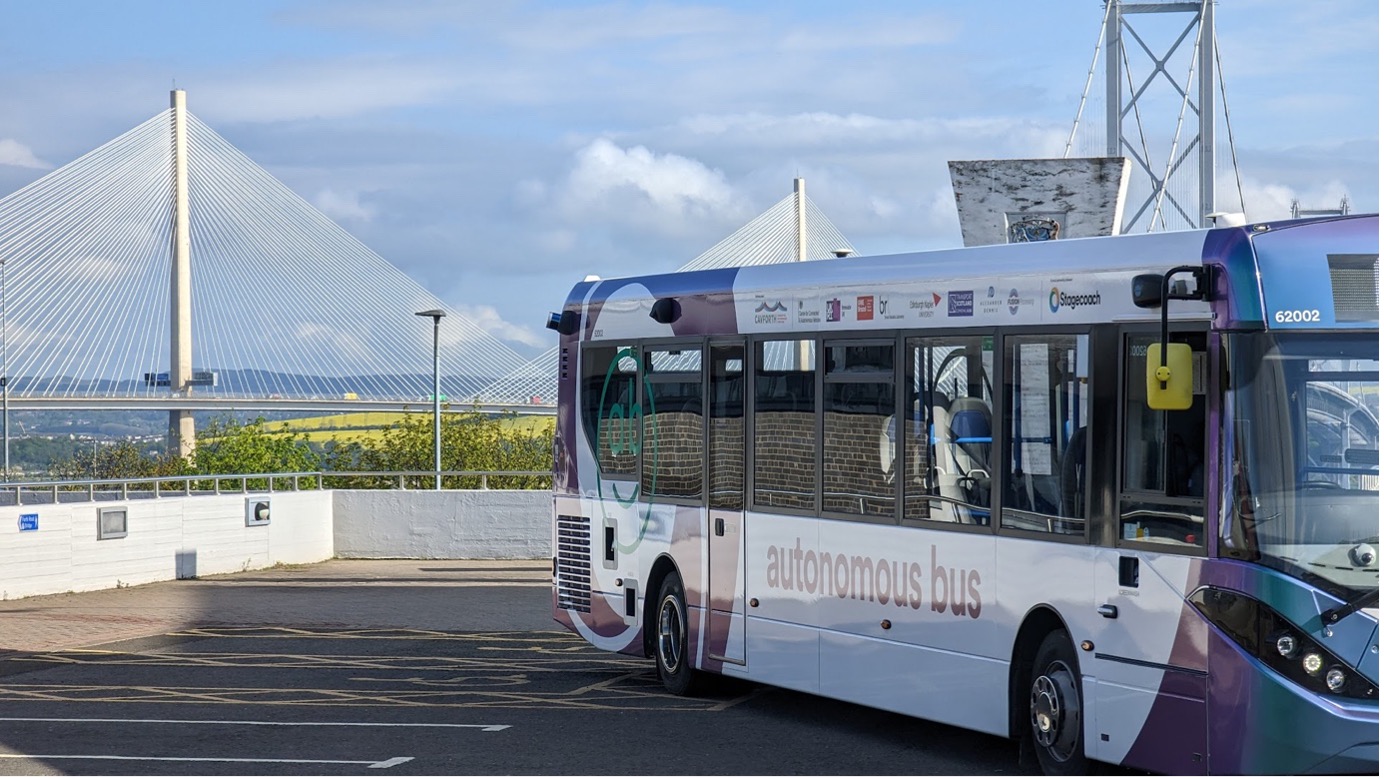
864, 308
771, 312
834, 310
961, 302
1057, 299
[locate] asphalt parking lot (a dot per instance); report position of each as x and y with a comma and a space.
400, 666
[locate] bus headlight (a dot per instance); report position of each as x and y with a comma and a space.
1286, 645
1312, 663
1280, 644
1336, 679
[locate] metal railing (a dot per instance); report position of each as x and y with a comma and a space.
24, 493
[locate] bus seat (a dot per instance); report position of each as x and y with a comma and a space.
1073, 483
970, 429
969, 453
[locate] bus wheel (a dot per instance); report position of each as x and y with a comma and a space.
670, 638
1054, 707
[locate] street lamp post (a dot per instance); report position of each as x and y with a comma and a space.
4, 371
436, 314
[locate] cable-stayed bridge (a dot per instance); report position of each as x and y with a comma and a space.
283, 309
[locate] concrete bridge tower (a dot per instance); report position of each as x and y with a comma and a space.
181, 431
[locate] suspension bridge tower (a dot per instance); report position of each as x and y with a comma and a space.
1170, 193
182, 433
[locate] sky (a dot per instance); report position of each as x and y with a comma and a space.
497, 152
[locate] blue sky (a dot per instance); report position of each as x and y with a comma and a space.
499, 151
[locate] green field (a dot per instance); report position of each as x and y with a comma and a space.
369, 425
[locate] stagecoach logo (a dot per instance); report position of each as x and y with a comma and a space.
961, 303
771, 313
1057, 299
864, 308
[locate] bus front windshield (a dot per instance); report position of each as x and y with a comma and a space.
1301, 480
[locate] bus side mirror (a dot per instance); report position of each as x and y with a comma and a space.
1169, 386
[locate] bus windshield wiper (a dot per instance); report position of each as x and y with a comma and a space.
1332, 616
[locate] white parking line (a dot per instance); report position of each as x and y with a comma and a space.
390, 763
483, 728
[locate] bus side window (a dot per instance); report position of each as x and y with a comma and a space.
1164, 473
1047, 403
948, 458
608, 406
785, 425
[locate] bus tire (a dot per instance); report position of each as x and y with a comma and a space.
1055, 710
670, 639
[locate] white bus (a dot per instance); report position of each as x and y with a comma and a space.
1116, 497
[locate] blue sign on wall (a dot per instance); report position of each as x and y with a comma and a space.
28, 522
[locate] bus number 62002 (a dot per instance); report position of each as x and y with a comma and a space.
1298, 315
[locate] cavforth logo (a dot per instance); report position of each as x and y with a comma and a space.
770, 313
1058, 299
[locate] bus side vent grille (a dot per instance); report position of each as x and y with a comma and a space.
574, 563
1355, 286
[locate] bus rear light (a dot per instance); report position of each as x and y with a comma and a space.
1279, 644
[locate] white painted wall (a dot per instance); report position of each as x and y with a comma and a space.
166, 537
181, 537
446, 524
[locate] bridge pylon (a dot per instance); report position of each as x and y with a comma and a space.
182, 433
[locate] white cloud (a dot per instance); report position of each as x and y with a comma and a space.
489, 319
322, 89
343, 206
636, 185
345, 345
1269, 200
13, 152
1001, 136
874, 32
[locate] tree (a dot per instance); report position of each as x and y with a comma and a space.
117, 461
229, 447
471, 441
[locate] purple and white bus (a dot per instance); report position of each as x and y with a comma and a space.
1115, 497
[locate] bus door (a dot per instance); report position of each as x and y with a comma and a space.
1150, 658
725, 459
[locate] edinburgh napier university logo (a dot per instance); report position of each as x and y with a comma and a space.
925, 306
767, 313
